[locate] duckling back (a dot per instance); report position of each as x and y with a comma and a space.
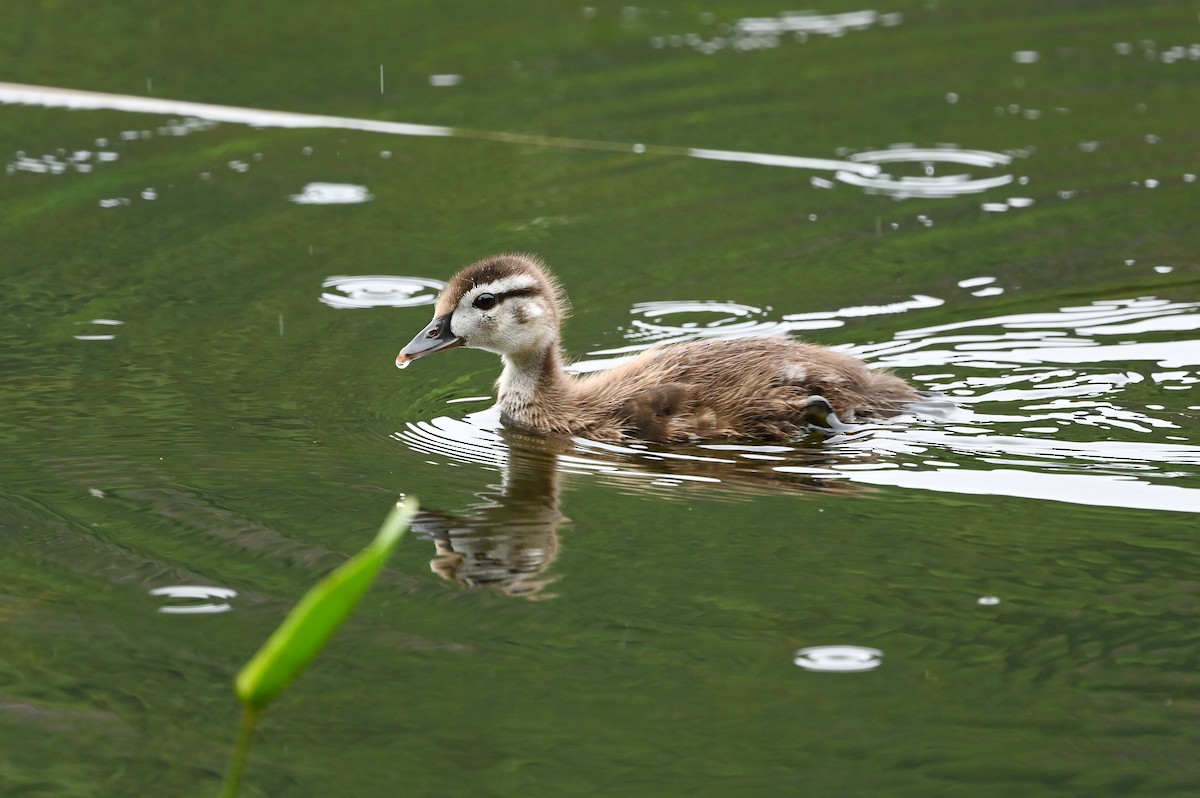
756, 388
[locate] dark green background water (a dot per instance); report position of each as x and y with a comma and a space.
238, 432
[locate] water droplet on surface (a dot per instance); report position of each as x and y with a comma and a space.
332, 194
839, 659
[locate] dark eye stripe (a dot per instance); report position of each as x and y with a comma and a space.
500, 297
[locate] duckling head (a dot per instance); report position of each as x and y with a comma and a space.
507, 304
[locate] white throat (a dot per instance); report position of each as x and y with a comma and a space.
519, 382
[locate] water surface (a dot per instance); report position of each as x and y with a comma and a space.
994, 594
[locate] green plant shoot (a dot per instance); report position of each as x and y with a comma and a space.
317, 615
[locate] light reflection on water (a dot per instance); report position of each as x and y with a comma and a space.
761, 33
861, 169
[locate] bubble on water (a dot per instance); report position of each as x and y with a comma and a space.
989, 601
951, 97
839, 659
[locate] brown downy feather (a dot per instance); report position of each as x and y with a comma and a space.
750, 388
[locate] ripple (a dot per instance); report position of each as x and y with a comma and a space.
199, 592
99, 336
700, 319
697, 319
380, 290
930, 184
839, 659
1008, 394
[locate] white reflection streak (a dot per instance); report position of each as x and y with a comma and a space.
52, 97
790, 161
1090, 489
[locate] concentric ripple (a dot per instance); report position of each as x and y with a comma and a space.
839, 659
929, 184
206, 600
380, 291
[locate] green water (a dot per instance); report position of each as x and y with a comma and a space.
595, 621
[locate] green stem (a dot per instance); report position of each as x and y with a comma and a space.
241, 751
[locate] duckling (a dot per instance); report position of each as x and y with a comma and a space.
765, 389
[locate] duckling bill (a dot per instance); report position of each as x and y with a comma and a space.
766, 389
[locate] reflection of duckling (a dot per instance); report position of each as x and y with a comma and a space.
509, 541
755, 388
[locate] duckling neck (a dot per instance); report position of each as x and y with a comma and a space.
532, 387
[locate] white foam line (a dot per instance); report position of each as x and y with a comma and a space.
52, 97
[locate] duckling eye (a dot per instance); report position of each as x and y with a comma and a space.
485, 301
